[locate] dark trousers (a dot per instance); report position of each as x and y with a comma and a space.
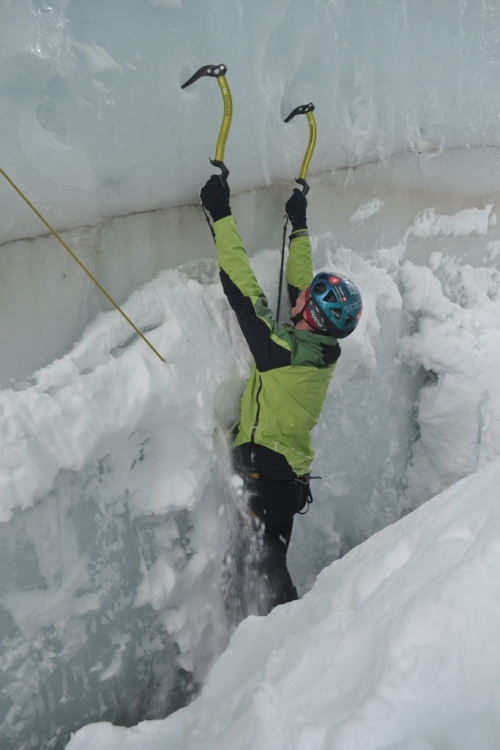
260, 577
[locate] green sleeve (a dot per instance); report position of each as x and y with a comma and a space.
299, 268
233, 259
264, 337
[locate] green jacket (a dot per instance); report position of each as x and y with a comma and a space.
284, 395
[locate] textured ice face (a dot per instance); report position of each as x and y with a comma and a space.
94, 122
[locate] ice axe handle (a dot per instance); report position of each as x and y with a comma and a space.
305, 109
218, 72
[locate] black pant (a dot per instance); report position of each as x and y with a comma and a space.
259, 575
275, 502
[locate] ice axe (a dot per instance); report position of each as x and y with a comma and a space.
219, 72
305, 109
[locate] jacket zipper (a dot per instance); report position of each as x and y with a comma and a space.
254, 428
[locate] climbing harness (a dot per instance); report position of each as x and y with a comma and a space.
219, 72
304, 480
309, 498
308, 110
66, 247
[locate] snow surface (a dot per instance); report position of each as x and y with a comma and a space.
110, 382
116, 482
395, 648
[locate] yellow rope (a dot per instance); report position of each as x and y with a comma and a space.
66, 247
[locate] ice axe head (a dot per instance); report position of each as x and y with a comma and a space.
303, 109
210, 71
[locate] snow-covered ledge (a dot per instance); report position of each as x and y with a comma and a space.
46, 300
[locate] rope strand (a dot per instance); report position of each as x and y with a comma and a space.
66, 247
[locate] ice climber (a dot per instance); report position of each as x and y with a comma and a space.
289, 379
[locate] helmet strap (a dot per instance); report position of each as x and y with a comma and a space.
314, 317
310, 322
299, 316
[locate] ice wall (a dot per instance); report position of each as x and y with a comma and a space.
47, 300
93, 121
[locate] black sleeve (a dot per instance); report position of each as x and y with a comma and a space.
257, 330
293, 293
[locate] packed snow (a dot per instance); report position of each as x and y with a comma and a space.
117, 492
123, 462
395, 648
116, 478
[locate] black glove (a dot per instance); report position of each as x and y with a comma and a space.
215, 197
296, 208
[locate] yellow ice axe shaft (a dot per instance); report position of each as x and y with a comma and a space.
75, 257
219, 72
226, 120
308, 110
310, 146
